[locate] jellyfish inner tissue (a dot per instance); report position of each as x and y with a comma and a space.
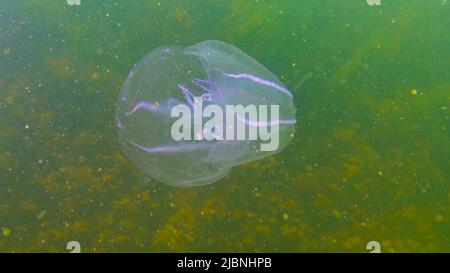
237, 126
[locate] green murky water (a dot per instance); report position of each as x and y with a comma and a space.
369, 161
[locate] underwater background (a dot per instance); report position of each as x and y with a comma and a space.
370, 160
